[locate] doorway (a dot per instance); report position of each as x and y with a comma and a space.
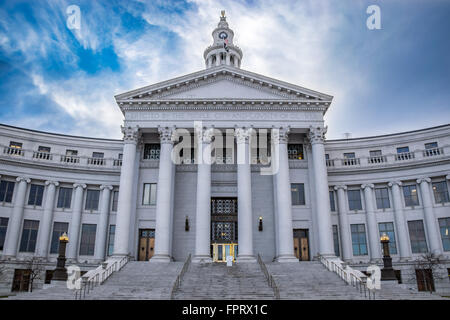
224, 228
425, 281
146, 244
301, 244
21, 281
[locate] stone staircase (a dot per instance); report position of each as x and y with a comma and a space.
310, 280
212, 281
53, 292
139, 281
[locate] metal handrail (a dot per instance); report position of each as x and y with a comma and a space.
349, 278
88, 284
270, 280
177, 282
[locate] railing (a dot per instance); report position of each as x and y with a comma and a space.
99, 276
117, 162
329, 162
42, 155
433, 152
13, 151
270, 281
96, 161
377, 159
350, 162
70, 159
404, 156
177, 282
348, 277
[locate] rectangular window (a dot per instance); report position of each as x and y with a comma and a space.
298, 193
402, 149
98, 155
149, 197
336, 240
92, 197
15, 145
151, 151
444, 226
112, 233
3, 228
58, 229
382, 197
6, 191
29, 236
36, 194
359, 243
431, 145
295, 152
417, 236
115, 201
349, 155
71, 152
410, 195
354, 200
388, 228
44, 149
87, 243
332, 202
375, 153
64, 198
440, 191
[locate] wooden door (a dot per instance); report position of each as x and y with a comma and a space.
21, 280
146, 244
304, 249
151, 246
425, 280
143, 249
297, 248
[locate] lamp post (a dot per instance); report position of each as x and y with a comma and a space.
387, 273
60, 272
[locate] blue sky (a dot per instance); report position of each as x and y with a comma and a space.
383, 81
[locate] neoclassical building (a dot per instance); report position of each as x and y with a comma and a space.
222, 162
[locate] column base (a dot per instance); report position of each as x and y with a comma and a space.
246, 259
202, 259
160, 258
286, 258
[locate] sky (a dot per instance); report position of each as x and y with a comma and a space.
60, 79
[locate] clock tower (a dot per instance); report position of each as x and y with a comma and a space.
223, 51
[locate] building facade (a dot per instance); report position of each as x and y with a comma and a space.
224, 161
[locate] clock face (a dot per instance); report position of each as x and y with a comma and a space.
223, 35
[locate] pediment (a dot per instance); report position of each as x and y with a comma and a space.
223, 82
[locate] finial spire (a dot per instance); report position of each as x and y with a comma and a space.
222, 13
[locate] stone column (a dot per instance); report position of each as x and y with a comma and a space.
344, 226
236, 61
317, 137
13, 231
400, 221
244, 184
164, 197
217, 62
228, 59
47, 219
124, 207
75, 223
372, 228
102, 227
430, 219
203, 216
283, 198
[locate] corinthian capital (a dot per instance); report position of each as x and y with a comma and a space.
367, 185
104, 186
79, 185
280, 135
243, 134
205, 135
167, 134
317, 134
130, 134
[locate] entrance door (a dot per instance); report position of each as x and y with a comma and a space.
222, 250
425, 281
21, 280
301, 244
146, 244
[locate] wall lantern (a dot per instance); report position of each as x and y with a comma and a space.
186, 224
260, 225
